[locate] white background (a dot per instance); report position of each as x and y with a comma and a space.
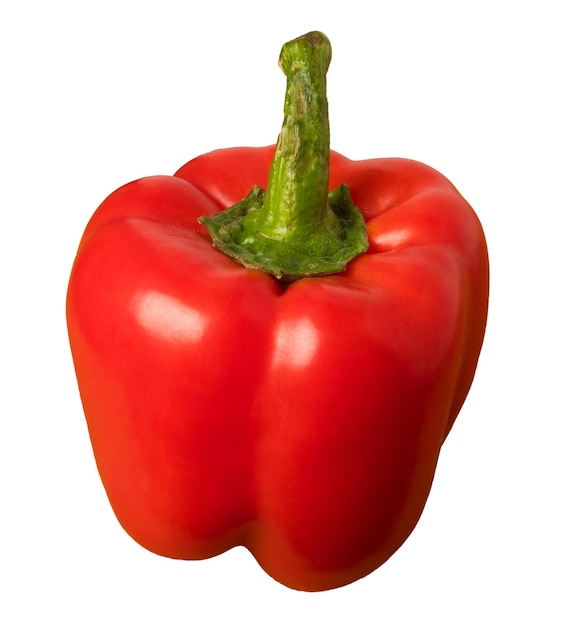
493, 95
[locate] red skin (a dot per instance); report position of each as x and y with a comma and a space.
303, 422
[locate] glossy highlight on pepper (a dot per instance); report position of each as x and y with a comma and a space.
299, 414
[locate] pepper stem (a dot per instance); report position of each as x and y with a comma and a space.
296, 228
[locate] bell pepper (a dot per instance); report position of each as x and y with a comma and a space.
272, 345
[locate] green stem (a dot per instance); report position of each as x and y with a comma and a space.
297, 190
296, 228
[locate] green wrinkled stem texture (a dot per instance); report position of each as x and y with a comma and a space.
296, 228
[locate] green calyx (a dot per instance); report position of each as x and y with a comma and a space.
296, 228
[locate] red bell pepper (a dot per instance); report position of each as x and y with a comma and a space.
269, 390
